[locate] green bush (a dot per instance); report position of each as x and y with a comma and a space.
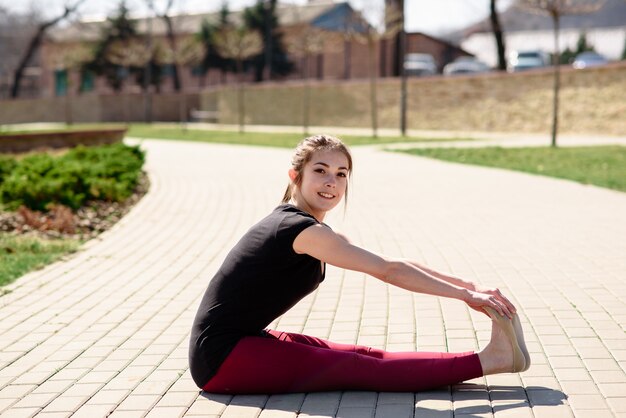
7, 164
108, 172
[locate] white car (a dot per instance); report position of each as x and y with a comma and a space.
528, 60
588, 59
419, 64
465, 65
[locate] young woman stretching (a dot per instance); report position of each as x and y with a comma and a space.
283, 258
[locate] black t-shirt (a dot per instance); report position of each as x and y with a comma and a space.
261, 278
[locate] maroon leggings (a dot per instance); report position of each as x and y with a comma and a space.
284, 362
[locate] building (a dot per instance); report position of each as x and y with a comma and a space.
525, 30
344, 54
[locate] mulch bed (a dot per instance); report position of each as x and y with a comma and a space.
59, 222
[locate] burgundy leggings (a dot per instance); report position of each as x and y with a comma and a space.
285, 362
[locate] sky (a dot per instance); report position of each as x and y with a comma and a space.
430, 16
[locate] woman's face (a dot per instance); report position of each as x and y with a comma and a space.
324, 182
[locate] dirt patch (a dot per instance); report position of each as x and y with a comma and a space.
86, 223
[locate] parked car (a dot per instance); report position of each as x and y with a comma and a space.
588, 59
465, 65
528, 60
419, 64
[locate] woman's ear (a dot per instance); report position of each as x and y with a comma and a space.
293, 174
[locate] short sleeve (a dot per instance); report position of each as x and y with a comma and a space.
290, 227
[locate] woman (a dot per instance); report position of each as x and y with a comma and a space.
282, 259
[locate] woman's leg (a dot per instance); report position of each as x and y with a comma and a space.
272, 365
360, 349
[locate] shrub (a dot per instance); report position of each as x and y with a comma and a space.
108, 172
7, 164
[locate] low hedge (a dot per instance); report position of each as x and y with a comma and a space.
108, 172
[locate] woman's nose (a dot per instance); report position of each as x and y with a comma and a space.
330, 181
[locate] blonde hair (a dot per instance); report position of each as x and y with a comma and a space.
304, 152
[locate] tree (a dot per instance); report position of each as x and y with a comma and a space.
567, 56
190, 51
389, 26
624, 52
35, 43
272, 59
119, 28
238, 43
128, 53
496, 27
212, 58
309, 41
69, 59
171, 37
556, 9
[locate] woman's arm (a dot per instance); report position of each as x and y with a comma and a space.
325, 245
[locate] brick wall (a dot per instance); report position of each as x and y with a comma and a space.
591, 102
92, 108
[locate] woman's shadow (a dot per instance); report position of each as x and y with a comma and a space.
481, 401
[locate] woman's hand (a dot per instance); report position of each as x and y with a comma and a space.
492, 297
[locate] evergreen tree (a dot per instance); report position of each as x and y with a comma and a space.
119, 27
208, 30
624, 51
262, 18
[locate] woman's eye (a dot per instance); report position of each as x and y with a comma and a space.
342, 174
320, 170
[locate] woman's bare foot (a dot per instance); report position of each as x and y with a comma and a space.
500, 355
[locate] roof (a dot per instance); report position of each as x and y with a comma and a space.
288, 14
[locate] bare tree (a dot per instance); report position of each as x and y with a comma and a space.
555, 9
70, 59
171, 38
496, 28
306, 42
128, 53
389, 25
35, 43
189, 51
238, 43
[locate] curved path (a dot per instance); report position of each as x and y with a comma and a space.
105, 331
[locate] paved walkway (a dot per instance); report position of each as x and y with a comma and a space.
105, 331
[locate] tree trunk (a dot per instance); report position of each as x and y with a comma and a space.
373, 86
497, 33
34, 44
307, 97
171, 38
240, 94
347, 58
403, 88
557, 80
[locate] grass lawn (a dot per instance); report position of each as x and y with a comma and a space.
283, 140
21, 254
603, 166
8, 130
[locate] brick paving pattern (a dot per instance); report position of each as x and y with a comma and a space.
104, 332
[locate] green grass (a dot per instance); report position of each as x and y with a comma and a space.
603, 166
8, 130
283, 140
21, 254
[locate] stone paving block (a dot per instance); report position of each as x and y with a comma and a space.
167, 412
358, 399
355, 412
138, 403
15, 391
583, 402
65, 403
321, 403
93, 411
394, 411
618, 404
20, 413
106, 397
